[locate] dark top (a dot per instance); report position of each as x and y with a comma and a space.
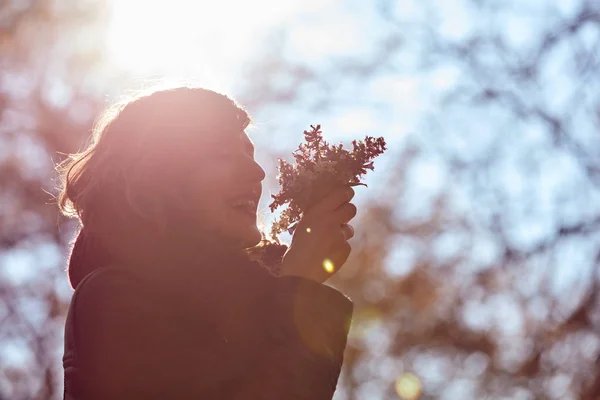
255, 336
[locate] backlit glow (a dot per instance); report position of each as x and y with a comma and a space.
204, 41
328, 265
408, 386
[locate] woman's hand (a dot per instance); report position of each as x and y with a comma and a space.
320, 243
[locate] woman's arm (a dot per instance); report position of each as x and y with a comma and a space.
305, 341
263, 338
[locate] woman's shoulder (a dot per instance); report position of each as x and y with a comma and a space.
111, 278
105, 298
109, 288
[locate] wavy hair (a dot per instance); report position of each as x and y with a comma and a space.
138, 146
131, 154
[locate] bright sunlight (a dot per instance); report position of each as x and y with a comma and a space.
191, 38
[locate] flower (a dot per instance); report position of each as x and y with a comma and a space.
318, 169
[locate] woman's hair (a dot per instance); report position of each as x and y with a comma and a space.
135, 167
139, 148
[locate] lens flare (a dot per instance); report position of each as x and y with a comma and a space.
328, 265
408, 386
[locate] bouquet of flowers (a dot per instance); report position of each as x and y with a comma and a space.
319, 167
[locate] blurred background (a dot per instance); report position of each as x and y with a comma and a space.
474, 269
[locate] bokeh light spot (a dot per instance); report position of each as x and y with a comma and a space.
328, 265
308, 230
408, 386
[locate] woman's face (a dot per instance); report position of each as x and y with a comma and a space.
226, 189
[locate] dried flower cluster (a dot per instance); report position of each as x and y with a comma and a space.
319, 168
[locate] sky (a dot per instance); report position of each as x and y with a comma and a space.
211, 43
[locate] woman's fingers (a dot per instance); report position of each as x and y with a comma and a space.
320, 246
332, 201
348, 231
345, 213
330, 224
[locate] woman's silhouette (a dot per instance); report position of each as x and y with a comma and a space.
167, 302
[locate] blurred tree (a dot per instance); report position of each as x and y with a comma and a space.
47, 101
475, 264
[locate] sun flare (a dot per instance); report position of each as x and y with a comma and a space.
208, 41
328, 265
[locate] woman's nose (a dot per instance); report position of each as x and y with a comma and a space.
254, 171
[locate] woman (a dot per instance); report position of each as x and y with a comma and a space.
167, 302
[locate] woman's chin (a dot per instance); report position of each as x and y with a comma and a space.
241, 230
250, 237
